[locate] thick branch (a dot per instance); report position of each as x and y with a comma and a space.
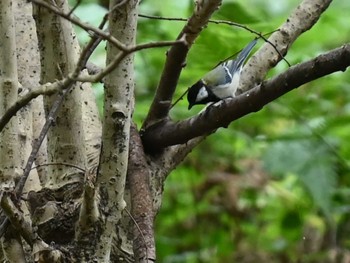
118, 108
223, 113
141, 200
17, 219
23, 227
176, 60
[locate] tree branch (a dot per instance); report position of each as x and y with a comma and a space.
141, 200
224, 112
46, 89
176, 60
212, 21
304, 16
15, 216
115, 62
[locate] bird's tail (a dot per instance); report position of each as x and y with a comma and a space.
241, 58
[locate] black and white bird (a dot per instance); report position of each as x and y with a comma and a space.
221, 82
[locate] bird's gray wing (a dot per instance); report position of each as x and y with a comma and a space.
222, 74
218, 76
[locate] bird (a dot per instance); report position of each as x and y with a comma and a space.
221, 82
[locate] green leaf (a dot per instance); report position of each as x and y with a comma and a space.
284, 157
312, 161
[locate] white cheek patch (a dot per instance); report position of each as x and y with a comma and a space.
235, 83
202, 94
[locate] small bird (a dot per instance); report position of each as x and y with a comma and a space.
220, 83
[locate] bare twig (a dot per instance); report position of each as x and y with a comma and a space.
179, 99
111, 66
96, 40
46, 89
74, 7
218, 22
212, 21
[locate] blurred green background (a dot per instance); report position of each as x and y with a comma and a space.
274, 186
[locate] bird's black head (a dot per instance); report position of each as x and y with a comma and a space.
199, 93
193, 92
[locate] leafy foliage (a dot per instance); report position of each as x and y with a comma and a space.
311, 161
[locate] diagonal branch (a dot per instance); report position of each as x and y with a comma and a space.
46, 89
115, 62
176, 60
223, 113
304, 16
212, 21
